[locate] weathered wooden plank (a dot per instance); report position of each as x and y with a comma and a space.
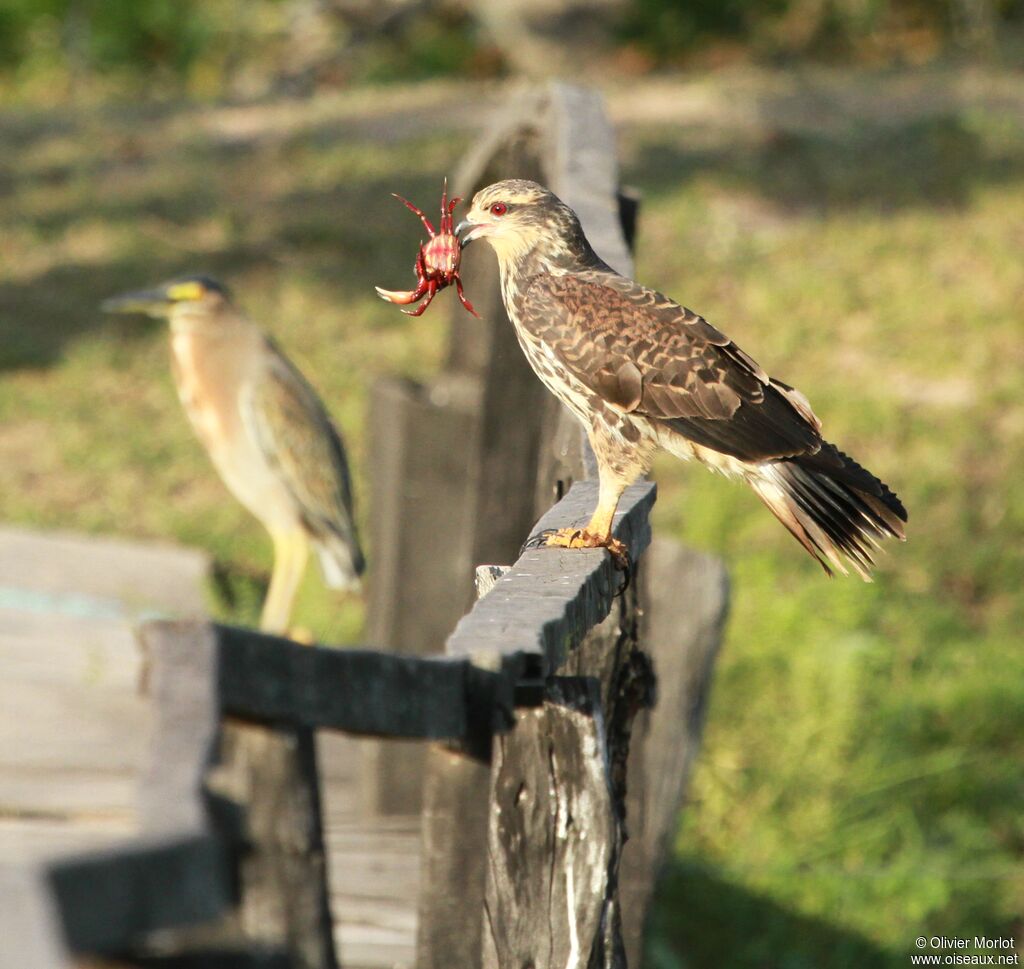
90, 577
584, 169
549, 599
56, 793
181, 680
552, 837
27, 839
418, 460
686, 599
366, 692
359, 691
421, 442
72, 731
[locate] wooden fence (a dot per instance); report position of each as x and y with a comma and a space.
550, 781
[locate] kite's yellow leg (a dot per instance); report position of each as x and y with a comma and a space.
598, 531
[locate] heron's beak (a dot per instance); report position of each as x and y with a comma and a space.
152, 302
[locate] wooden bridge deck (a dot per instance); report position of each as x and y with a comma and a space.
74, 728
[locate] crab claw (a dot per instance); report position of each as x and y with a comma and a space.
402, 297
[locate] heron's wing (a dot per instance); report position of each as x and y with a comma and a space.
292, 428
647, 355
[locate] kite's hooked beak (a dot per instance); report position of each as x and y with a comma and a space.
472, 230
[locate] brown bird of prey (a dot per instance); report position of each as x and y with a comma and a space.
642, 372
266, 430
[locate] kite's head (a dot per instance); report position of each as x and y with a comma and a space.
188, 295
519, 217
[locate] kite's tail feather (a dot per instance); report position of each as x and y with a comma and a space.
835, 508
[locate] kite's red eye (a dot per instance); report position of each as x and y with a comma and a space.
499, 208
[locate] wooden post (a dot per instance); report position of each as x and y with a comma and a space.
553, 838
557, 821
454, 827
420, 442
544, 605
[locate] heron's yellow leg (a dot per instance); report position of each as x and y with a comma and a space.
291, 550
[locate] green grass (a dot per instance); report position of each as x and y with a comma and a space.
860, 781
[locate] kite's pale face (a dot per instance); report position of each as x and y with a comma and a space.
514, 216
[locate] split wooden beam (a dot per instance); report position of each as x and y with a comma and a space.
492, 838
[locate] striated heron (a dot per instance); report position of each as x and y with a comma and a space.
266, 430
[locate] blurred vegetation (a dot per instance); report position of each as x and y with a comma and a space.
54, 49
859, 235
866, 31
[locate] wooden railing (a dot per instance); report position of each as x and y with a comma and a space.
551, 781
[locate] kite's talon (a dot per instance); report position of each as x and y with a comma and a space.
537, 541
573, 537
620, 556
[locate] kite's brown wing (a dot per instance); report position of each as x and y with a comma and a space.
650, 356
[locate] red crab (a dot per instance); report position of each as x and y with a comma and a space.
437, 262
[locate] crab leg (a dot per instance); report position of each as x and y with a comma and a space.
402, 297
462, 298
423, 216
431, 290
